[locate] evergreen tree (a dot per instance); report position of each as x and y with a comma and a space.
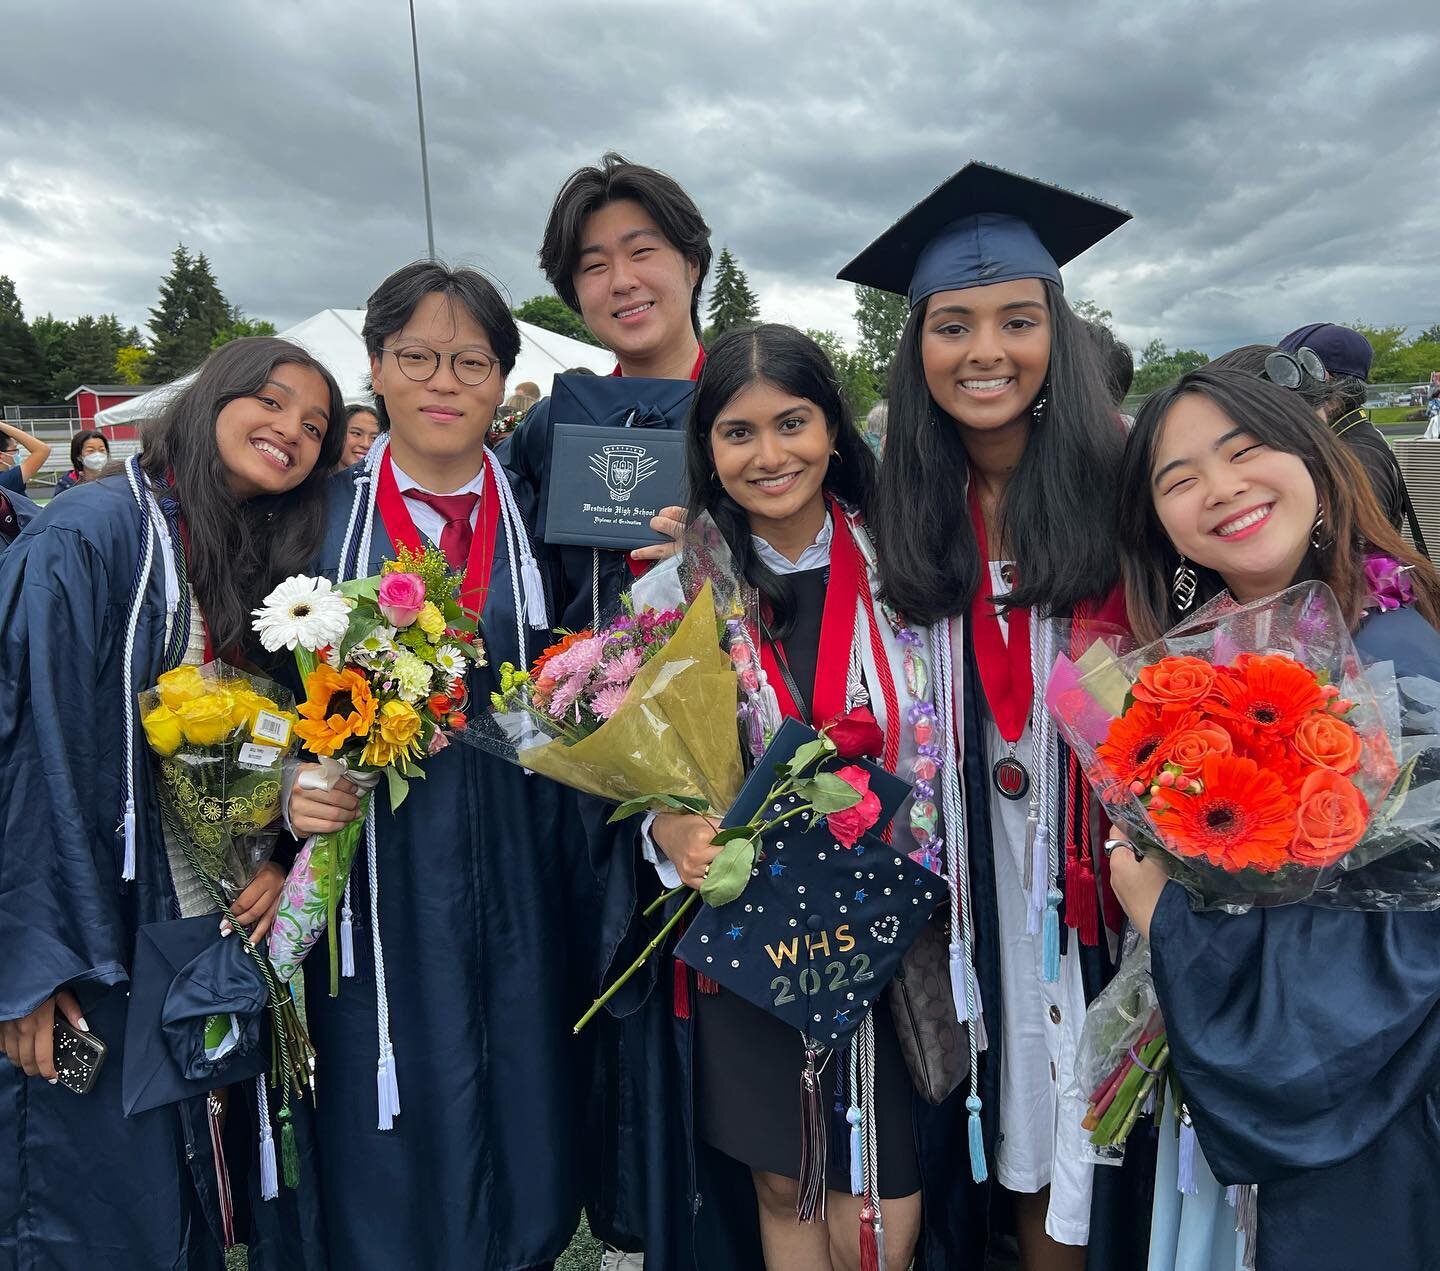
22, 369
880, 315
732, 303
239, 327
191, 312
51, 338
90, 348
550, 313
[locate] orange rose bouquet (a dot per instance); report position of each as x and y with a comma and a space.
1246, 747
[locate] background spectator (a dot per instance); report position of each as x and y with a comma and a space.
14, 471
362, 426
89, 453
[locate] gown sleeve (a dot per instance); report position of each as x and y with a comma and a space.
1299, 1035
59, 923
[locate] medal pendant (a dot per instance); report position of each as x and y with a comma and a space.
1011, 778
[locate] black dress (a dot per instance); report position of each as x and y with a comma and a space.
748, 1063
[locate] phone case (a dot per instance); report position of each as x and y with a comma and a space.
78, 1056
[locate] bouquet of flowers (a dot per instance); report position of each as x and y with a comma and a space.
384, 661
1246, 745
642, 712
219, 737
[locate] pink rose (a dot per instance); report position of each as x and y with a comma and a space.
849, 825
401, 598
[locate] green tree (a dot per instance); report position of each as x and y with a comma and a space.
22, 369
1159, 366
852, 370
90, 348
880, 315
732, 303
1416, 360
550, 313
1089, 311
191, 312
130, 364
1387, 342
52, 337
1431, 334
240, 327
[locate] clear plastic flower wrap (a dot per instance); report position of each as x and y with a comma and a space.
1247, 750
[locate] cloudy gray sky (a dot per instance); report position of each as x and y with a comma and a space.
1282, 160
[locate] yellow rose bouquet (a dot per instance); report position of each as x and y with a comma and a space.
385, 661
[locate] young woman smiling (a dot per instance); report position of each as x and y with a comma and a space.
774, 459
229, 498
1306, 1038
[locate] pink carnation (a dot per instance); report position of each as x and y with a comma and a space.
607, 701
401, 597
621, 670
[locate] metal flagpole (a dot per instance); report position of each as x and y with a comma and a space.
424, 157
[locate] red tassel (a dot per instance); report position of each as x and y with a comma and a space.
1082, 906
704, 984
682, 990
869, 1246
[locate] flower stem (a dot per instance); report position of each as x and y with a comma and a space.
639, 962
660, 900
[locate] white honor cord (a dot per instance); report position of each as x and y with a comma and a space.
127, 680
869, 1135
518, 541
1040, 778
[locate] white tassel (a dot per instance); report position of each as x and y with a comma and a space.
959, 983
347, 936
387, 1088
128, 870
535, 615
269, 1175
1039, 879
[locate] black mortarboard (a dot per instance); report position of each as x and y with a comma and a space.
982, 226
820, 929
185, 973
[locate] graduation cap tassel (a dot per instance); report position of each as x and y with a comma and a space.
347, 935
1246, 1211
269, 1178
814, 1141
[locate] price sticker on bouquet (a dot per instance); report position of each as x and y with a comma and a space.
272, 728
259, 758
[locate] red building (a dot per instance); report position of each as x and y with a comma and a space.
91, 399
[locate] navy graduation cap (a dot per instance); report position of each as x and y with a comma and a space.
983, 225
196, 1016
820, 929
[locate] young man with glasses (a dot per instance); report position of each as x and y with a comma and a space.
467, 910
627, 249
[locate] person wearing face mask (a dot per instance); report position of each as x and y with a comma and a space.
1002, 441
89, 453
152, 569
14, 471
449, 1130
1320, 1082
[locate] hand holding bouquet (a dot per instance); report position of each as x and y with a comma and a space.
384, 660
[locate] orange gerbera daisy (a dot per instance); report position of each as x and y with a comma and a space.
1267, 695
338, 705
1243, 819
1133, 748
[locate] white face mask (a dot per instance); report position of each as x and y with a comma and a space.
95, 460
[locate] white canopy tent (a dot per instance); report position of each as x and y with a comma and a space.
333, 336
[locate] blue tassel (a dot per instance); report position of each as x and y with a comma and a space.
1050, 972
1185, 1181
977, 1141
857, 1159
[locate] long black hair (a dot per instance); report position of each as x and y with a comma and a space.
239, 549
1283, 420
1054, 513
793, 363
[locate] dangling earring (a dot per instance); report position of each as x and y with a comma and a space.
1183, 586
837, 456
1317, 531
1037, 411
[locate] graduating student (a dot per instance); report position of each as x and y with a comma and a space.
149, 569
627, 249
450, 1114
1002, 449
1306, 1038
16, 512
775, 459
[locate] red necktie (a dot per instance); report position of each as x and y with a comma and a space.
457, 510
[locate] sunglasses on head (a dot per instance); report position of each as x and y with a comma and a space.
1289, 369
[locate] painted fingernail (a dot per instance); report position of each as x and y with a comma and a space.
82, 1025
54, 1081
225, 927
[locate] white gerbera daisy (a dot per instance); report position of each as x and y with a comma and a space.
378, 643
302, 612
450, 660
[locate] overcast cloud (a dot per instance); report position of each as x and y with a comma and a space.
1282, 160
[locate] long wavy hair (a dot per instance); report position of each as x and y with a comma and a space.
793, 363
1353, 523
1053, 509
238, 549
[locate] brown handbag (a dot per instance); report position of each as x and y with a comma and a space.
932, 1038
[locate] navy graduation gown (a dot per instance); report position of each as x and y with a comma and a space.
1307, 1042
485, 905
82, 1185
16, 512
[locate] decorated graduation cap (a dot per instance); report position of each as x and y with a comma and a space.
197, 1014
983, 225
814, 939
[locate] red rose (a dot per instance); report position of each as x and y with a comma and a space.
856, 734
849, 825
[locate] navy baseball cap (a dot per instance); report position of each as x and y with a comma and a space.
1344, 352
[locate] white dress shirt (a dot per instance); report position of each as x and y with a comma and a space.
429, 522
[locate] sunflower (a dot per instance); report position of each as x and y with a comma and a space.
1267, 695
1133, 748
338, 705
1244, 818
